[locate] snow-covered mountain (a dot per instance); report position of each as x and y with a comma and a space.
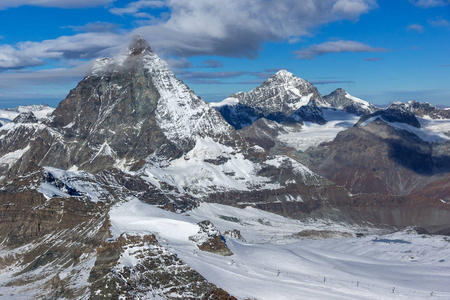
134, 187
340, 99
132, 106
278, 98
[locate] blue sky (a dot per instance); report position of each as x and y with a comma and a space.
380, 51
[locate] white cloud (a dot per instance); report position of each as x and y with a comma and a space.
415, 27
181, 63
54, 3
430, 3
234, 28
84, 45
239, 27
335, 47
351, 9
49, 86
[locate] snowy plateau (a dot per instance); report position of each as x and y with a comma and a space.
136, 188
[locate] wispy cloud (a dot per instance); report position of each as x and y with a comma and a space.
372, 58
256, 81
320, 82
415, 27
96, 27
83, 45
137, 8
211, 75
211, 63
439, 22
181, 63
49, 86
54, 3
419, 95
335, 47
430, 3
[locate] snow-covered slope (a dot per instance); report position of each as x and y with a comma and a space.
279, 258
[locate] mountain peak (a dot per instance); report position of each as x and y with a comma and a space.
139, 45
282, 75
340, 99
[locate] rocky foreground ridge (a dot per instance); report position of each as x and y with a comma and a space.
132, 131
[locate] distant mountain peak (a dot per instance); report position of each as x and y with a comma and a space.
340, 99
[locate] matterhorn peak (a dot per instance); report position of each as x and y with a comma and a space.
139, 45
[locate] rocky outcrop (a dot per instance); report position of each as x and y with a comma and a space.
209, 239
138, 266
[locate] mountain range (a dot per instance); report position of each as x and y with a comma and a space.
118, 191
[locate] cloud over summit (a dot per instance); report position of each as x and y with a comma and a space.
237, 28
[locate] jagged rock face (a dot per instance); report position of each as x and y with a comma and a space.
281, 96
133, 106
340, 99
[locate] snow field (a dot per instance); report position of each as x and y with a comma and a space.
313, 134
272, 264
